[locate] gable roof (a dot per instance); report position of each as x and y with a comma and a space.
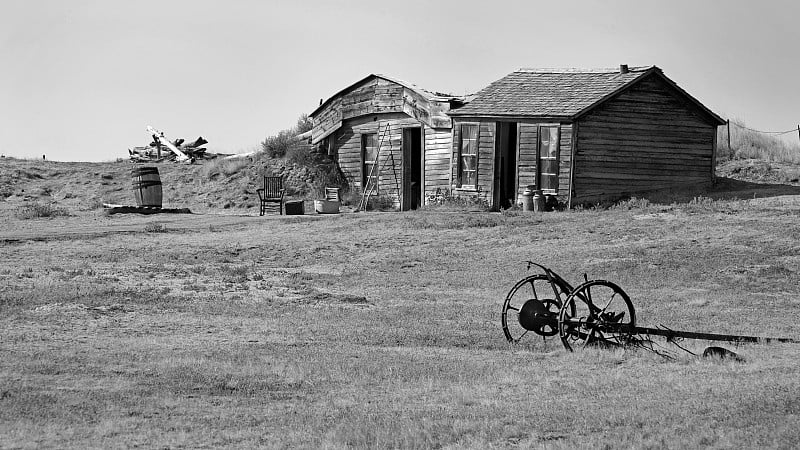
560, 93
428, 95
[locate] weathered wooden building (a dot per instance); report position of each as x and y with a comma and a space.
582, 135
389, 134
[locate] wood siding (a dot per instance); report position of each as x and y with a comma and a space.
527, 169
347, 145
438, 143
485, 163
526, 157
647, 138
486, 147
528, 137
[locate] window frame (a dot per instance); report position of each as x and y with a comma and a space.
461, 169
365, 173
540, 174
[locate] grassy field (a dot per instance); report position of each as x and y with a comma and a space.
382, 330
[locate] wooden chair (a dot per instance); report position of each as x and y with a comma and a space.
272, 192
332, 194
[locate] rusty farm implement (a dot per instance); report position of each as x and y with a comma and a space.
595, 313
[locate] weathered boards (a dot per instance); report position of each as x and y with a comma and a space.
582, 135
390, 138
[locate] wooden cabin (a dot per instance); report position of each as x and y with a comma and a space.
390, 137
581, 135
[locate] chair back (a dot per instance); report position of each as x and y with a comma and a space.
273, 187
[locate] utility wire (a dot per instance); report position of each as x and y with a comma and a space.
765, 132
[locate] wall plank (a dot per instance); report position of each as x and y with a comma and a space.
645, 139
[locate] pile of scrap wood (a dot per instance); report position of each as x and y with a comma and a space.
162, 149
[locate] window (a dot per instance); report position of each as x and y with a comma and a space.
369, 151
548, 158
468, 156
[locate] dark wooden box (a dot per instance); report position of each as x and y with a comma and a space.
294, 208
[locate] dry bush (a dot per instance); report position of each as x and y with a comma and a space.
37, 210
280, 145
226, 167
155, 227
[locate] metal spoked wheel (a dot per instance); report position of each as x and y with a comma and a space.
531, 305
597, 313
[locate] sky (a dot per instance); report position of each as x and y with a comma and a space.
80, 80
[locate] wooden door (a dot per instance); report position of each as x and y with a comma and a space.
412, 168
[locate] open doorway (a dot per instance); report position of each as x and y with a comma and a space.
412, 168
505, 173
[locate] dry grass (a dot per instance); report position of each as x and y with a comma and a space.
37, 210
382, 330
749, 144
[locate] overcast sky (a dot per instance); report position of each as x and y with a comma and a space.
80, 80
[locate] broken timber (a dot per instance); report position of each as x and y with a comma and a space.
159, 137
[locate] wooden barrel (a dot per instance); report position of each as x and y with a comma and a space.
147, 186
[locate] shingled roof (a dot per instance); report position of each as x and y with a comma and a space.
558, 93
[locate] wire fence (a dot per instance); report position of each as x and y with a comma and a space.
777, 133
745, 142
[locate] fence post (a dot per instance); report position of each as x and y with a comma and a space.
728, 122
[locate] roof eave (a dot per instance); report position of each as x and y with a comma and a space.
423, 93
508, 116
326, 102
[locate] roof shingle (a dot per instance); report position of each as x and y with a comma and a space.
549, 92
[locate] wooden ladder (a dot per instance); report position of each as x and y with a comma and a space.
371, 187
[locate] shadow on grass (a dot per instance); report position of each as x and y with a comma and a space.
724, 188
729, 188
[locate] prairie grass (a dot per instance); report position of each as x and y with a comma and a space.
749, 144
382, 331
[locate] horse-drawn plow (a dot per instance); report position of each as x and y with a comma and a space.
596, 313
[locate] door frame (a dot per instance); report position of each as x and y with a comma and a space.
503, 146
407, 201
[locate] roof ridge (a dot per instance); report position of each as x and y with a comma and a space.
582, 70
432, 94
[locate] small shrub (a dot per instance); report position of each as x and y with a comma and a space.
37, 210
300, 155
155, 227
631, 203
277, 146
225, 167
381, 202
234, 274
327, 174
445, 199
304, 123
285, 141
